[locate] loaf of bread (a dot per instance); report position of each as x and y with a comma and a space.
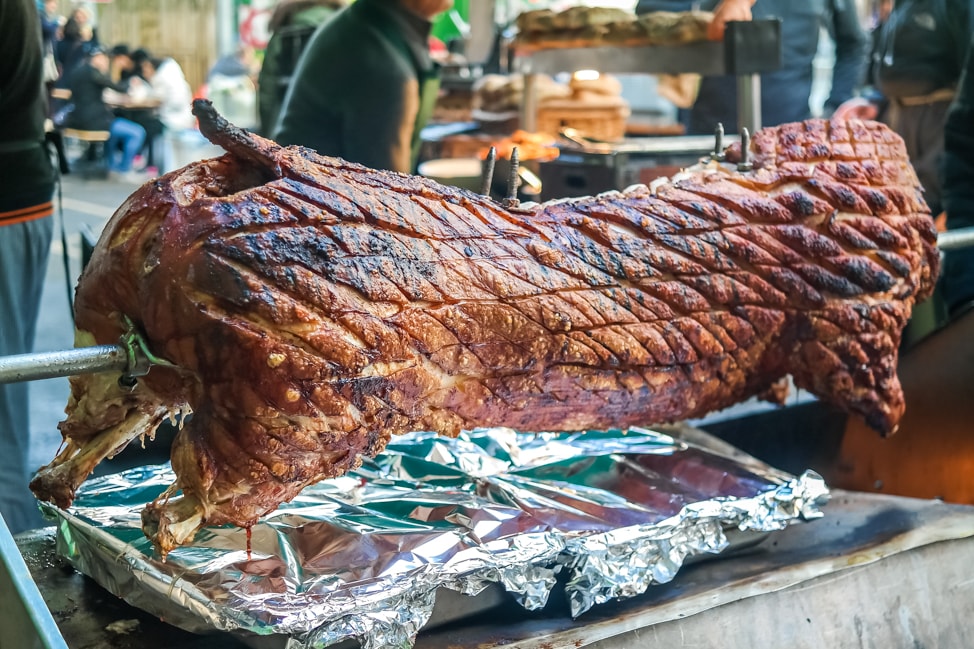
601, 26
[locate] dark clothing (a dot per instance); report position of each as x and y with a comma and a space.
958, 192
70, 55
785, 92
90, 112
154, 129
26, 187
26, 176
363, 87
921, 47
922, 130
280, 61
49, 27
920, 50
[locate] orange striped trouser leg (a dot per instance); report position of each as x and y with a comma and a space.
27, 213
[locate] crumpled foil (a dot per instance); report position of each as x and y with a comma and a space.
364, 556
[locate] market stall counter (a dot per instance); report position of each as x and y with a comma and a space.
876, 570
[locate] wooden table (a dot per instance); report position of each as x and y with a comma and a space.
128, 103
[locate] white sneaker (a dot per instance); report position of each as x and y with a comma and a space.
134, 177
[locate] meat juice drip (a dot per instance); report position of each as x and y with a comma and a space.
249, 534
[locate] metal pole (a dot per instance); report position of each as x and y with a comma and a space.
956, 239
226, 27
482, 30
487, 172
48, 365
748, 102
529, 109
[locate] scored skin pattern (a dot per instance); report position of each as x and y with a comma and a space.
316, 314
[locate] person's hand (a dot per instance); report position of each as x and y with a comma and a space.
857, 108
138, 89
726, 11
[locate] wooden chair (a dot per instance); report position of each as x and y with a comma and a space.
94, 159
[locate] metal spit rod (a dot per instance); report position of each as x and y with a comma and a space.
131, 357
48, 365
956, 239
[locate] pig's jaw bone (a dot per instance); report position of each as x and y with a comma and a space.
95, 433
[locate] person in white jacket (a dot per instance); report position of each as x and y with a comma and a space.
168, 84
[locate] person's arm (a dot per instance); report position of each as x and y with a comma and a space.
958, 190
104, 81
727, 11
851, 53
49, 27
724, 12
649, 6
378, 133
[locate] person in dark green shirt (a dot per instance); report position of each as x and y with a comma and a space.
291, 26
365, 85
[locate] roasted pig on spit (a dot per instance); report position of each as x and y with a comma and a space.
311, 308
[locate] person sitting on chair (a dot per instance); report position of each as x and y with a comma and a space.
90, 113
168, 84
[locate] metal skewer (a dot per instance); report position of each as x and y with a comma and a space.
488, 174
718, 153
745, 163
512, 181
956, 239
48, 365
131, 357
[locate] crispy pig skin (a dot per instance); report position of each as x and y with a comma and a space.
314, 307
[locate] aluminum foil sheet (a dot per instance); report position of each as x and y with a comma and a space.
364, 556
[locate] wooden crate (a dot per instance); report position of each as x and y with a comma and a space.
607, 123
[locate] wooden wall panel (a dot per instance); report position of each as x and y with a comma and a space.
182, 29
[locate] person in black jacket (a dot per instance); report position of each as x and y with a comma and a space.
90, 113
365, 85
78, 38
958, 195
26, 188
784, 93
916, 62
930, 456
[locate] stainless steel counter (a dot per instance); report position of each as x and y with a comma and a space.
876, 571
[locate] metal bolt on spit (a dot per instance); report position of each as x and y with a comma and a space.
487, 177
718, 153
512, 181
745, 163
